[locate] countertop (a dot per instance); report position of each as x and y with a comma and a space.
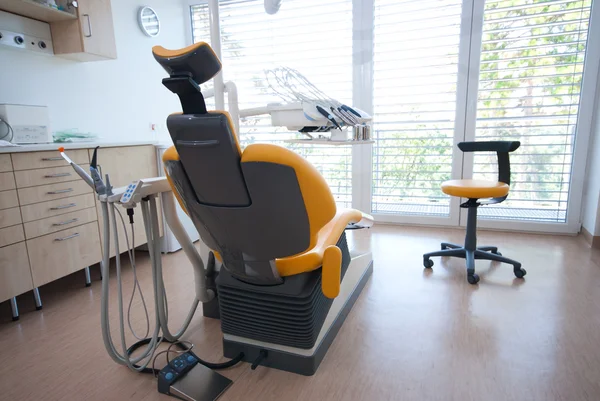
72, 145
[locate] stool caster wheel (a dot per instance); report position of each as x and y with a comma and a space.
428, 263
473, 278
519, 272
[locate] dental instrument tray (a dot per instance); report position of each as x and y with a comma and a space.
299, 115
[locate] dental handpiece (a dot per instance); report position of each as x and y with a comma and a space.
81, 172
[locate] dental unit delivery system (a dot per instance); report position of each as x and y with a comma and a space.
143, 192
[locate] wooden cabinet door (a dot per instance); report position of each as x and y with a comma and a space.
127, 163
55, 255
124, 165
97, 30
15, 276
91, 37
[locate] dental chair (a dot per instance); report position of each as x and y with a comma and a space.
287, 279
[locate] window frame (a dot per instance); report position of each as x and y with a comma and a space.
466, 110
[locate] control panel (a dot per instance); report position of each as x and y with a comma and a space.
132, 193
176, 369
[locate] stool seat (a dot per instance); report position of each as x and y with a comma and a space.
475, 189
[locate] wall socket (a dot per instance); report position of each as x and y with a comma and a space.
24, 33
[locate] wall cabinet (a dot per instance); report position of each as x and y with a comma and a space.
90, 37
85, 33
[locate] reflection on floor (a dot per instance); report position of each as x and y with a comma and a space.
412, 335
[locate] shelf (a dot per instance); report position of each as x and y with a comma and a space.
37, 11
328, 142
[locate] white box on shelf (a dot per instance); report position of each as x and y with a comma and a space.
30, 124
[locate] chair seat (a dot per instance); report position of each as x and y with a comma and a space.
475, 189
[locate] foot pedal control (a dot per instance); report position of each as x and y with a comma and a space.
185, 378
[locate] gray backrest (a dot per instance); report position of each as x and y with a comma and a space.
211, 156
250, 213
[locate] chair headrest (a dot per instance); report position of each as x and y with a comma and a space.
197, 61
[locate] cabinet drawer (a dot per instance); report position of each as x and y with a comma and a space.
38, 228
5, 163
54, 208
32, 160
8, 199
7, 181
53, 175
58, 254
28, 196
11, 235
10, 217
15, 276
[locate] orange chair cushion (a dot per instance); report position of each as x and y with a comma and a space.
475, 189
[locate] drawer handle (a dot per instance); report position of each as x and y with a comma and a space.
64, 223
57, 175
67, 237
60, 191
51, 159
89, 23
63, 206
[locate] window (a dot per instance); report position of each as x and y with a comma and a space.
529, 89
319, 46
441, 72
415, 74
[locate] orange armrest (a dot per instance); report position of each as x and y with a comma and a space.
332, 255
332, 231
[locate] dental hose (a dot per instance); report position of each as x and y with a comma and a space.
140, 363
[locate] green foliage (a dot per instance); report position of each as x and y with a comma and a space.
530, 79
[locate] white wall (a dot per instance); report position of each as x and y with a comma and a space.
591, 195
117, 99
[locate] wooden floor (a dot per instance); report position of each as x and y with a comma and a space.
412, 335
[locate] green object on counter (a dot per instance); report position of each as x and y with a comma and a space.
73, 136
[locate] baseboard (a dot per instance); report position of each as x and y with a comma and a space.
592, 240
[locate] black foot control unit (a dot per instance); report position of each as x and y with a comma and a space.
185, 378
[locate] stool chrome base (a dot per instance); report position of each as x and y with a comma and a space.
471, 251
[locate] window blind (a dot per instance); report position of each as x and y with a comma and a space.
529, 90
317, 44
200, 18
415, 74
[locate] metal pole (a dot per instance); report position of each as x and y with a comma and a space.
15, 309
37, 298
203, 294
234, 107
88, 278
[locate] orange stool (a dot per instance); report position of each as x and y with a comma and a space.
475, 190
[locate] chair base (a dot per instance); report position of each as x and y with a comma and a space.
471, 251
482, 252
306, 361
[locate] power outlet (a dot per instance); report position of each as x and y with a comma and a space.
26, 42
25, 34
156, 127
